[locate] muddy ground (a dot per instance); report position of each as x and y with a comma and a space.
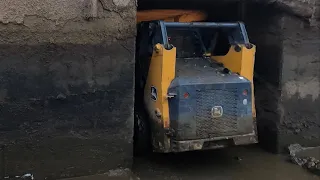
240, 163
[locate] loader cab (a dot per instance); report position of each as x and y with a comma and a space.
212, 40
199, 39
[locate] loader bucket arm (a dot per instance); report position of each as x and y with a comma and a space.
171, 15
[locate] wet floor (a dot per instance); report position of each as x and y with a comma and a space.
239, 163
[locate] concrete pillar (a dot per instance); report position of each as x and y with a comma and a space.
300, 84
288, 75
264, 30
66, 86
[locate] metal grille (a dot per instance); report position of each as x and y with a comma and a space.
207, 126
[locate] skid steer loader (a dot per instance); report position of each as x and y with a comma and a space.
194, 86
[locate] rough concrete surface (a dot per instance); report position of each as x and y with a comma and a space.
67, 21
66, 87
287, 82
305, 9
307, 157
300, 84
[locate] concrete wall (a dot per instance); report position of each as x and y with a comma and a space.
288, 73
66, 86
300, 84
268, 39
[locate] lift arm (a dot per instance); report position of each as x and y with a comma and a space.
170, 15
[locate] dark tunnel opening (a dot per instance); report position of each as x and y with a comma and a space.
263, 27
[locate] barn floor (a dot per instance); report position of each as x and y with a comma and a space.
240, 163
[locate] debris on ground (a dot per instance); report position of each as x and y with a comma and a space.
119, 172
115, 174
307, 157
238, 158
27, 176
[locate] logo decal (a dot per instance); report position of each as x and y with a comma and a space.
216, 111
154, 93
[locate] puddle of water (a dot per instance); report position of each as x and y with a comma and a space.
240, 163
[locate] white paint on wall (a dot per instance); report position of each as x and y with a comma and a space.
305, 87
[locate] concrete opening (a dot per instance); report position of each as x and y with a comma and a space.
259, 20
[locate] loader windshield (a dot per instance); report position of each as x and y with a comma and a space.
204, 39
188, 42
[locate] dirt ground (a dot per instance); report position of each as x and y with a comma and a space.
239, 163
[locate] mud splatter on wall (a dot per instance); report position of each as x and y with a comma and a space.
288, 60
66, 86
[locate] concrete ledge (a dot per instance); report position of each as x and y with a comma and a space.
116, 174
307, 157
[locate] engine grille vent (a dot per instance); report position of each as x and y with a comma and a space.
207, 126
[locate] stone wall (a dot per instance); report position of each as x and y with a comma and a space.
66, 86
287, 77
267, 37
300, 84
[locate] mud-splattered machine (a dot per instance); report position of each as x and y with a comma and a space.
194, 86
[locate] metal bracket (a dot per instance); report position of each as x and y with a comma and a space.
169, 132
171, 95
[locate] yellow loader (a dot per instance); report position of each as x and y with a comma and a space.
194, 83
